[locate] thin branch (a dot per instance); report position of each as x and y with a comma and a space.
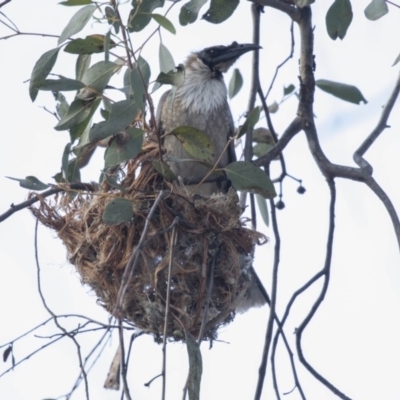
268, 334
34, 199
314, 308
72, 337
123, 361
130, 268
167, 304
4, 3
288, 9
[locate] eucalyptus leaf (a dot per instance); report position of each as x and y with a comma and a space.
75, 2
117, 211
81, 131
164, 22
99, 74
175, 77
376, 9
140, 15
190, 11
41, 70
77, 112
341, 90
112, 19
82, 65
123, 147
288, 89
60, 85
77, 22
220, 10
244, 176
90, 45
164, 170
263, 208
195, 142
31, 183
338, 19
251, 120
122, 115
235, 84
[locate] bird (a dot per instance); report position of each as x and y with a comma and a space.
201, 101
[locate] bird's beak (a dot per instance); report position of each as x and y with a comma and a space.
233, 52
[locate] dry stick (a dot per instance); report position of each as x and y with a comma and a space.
326, 272
268, 334
123, 363
130, 267
168, 299
72, 186
72, 337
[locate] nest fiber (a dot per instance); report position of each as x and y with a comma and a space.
196, 246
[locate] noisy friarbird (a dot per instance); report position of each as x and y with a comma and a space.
201, 101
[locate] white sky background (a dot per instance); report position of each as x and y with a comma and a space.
353, 339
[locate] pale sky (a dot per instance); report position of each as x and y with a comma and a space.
353, 339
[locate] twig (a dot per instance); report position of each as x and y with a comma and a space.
123, 362
288, 9
268, 334
130, 267
72, 186
167, 304
72, 337
4, 3
314, 308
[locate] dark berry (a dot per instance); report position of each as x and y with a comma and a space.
301, 190
280, 205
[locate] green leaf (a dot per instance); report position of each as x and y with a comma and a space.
112, 19
263, 208
140, 15
139, 79
81, 131
190, 11
396, 60
99, 74
60, 85
195, 366
195, 142
91, 44
122, 115
235, 84
247, 177
262, 148
341, 90
220, 10
40, 71
82, 65
303, 3
175, 77
77, 112
65, 161
31, 183
251, 120
164, 170
123, 147
77, 22
164, 22
117, 211
338, 18
263, 135
75, 2
61, 105
376, 9
167, 62
288, 89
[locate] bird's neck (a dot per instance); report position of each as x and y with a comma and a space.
203, 90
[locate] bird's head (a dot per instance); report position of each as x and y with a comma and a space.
221, 58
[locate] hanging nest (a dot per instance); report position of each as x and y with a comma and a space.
129, 270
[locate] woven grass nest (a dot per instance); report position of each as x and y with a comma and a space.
211, 239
